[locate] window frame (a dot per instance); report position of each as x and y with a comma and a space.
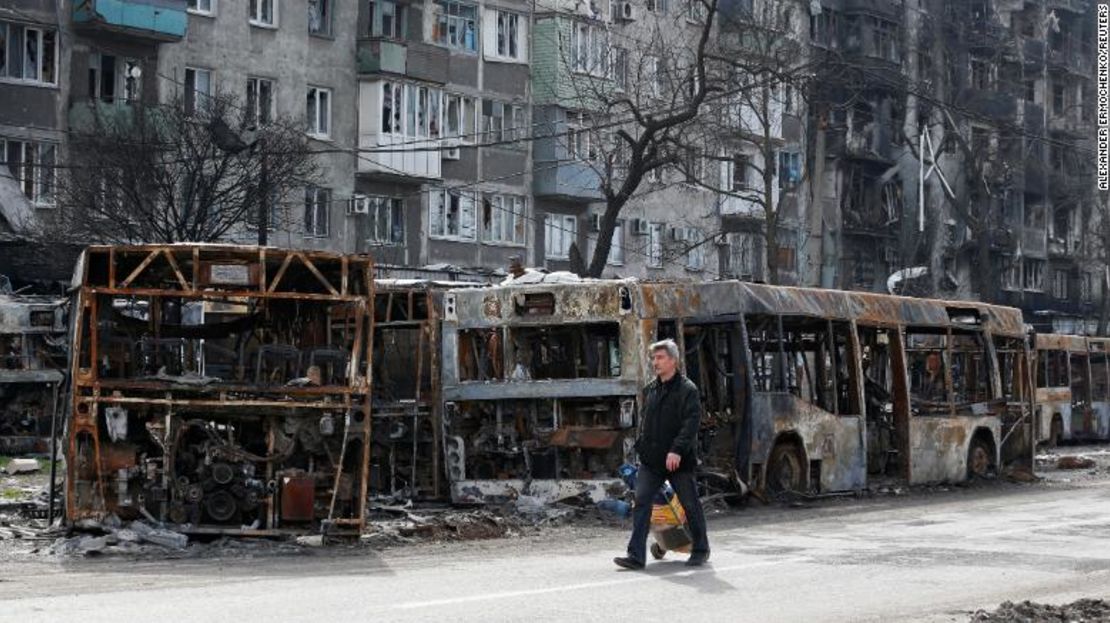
393, 209
508, 213
318, 210
440, 199
253, 105
254, 14
30, 172
314, 129
616, 245
655, 248
442, 20
40, 54
554, 221
399, 21
326, 30
192, 102
213, 6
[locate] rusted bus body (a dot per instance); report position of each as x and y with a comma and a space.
804, 389
834, 383
1073, 388
222, 389
406, 456
32, 364
540, 384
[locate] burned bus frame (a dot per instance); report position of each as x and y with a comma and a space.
254, 423
849, 428
1072, 380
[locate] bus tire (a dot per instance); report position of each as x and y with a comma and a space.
786, 469
980, 457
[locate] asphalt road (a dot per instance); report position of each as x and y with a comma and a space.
928, 557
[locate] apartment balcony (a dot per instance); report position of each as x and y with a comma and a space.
572, 180
85, 114
1071, 123
393, 154
380, 55
149, 20
989, 103
1072, 59
1034, 242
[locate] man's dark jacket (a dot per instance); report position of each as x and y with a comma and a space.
670, 422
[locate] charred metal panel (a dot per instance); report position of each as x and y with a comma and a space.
831, 439
221, 388
939, 446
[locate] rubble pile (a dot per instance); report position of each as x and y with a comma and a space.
1082, 611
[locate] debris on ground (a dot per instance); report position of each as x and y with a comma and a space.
117, 537
1082, 611
1020, 473
22, 466
1075, 462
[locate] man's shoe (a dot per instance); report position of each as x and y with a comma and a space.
697, 560
628, 563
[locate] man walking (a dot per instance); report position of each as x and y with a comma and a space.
667, 447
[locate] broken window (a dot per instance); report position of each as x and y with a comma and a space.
813, 360
971, 382
317, 206
455, 25
1060, 284
926, 364
560, 232
564, 352
452, 215
981, 74
387, 19
1011, 354
198, 89
1052, 368
319, 17
1079, 381
503, 219
481, 357
1033, 274
1100, 373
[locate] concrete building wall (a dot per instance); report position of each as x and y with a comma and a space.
233, 49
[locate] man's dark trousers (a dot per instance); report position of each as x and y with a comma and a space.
648, 482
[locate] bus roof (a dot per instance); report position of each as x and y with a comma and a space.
595, 299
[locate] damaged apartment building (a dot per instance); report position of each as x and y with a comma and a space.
952, 161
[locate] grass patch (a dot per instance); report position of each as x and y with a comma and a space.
4, 460
10, 494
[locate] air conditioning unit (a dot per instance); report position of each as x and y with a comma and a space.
627, 11
595, 222
358, 204
640, 226
450, 150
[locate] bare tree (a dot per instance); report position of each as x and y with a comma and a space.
768, 72
197, 170
639, 89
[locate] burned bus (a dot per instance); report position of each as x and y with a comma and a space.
221, 389
804, 390
1071, 388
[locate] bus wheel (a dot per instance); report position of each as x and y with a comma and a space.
786, 470
979, 458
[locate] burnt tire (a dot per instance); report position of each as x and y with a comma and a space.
980, 459
786, 470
